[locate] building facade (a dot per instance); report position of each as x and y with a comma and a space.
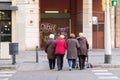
31, 21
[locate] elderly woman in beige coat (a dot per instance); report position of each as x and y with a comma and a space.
73, 45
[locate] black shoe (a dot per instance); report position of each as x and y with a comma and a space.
53, 68
59, 69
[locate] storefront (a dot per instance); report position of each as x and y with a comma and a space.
29, 23
6, 21
6, 9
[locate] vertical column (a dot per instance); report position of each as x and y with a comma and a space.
73, 15
32, 25
87, 20
107, 33
117, 28
26, 24
112, 27
14, 26
18, 23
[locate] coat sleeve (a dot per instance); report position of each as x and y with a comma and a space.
87, 44
65, 45
77, 44
46, 46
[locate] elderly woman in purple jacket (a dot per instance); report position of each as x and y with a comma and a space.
83, 50
73, 45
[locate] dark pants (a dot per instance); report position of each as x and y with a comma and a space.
82, 59
51, 63
59, 58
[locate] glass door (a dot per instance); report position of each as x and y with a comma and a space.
5, 26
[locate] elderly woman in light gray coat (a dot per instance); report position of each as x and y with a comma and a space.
73, 45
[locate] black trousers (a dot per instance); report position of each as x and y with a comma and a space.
51, 63
59, 58
82, 59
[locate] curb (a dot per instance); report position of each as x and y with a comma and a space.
7, 67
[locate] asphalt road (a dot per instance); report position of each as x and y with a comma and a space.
27, 69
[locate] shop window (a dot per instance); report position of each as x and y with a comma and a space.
5, 26
98, 28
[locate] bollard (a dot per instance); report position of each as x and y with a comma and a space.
36, 54
13, 59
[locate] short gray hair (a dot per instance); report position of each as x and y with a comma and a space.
51, 36
81, 35
62, 36
72, 35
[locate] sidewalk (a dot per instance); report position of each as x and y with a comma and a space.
26, 60
97, 58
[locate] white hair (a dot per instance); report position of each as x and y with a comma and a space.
62, 36
51, 36
81, 35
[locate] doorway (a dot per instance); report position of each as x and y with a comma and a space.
98, 36
55, 26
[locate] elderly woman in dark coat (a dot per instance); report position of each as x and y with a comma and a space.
83, 50
49, 49
73, 45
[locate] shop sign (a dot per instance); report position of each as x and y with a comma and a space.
94, 20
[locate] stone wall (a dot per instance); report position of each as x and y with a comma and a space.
25, 28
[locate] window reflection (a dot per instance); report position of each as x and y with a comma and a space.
5, 26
